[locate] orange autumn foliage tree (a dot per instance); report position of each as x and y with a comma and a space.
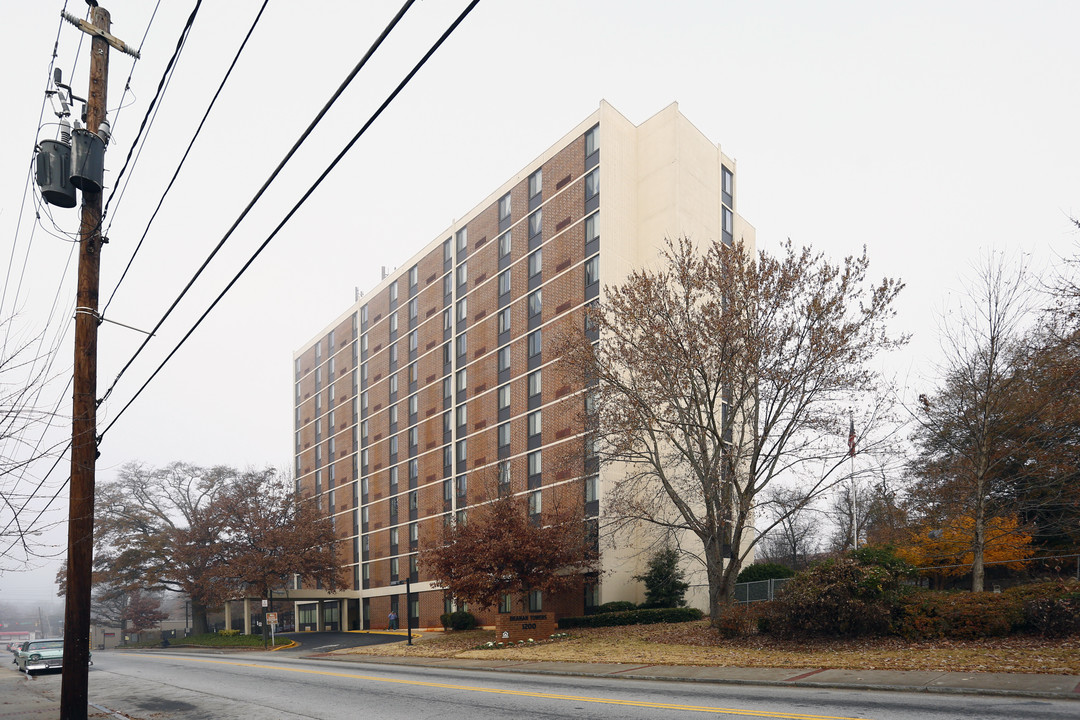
954, 546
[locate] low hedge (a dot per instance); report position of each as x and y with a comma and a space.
633, 617
1050, 609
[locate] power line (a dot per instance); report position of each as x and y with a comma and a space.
150, 113
183, 159
405, 81
288, 156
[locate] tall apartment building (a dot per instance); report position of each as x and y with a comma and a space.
442, 376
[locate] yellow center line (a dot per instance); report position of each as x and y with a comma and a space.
516, 693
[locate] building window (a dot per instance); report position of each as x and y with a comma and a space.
504, 207
462, 415
364, 431
393, 506
535, 503
592, 228
504, 320
728, 180
504, 358
592, 140
414, 532
393, 536
413, 404
393, 353
414, 501
504, 435
414, 273
462, 342
536, 223
592, 184
536, 183
505, 604
535, 385
462, 450
414, 438
535, 423
392, 414
448, 284
393, 444
462, 274
364, 400
448, 490
393, 291
534, 343
447, 388
536, 262
462, 379
504, 472
590, 487
414, 470
447, 319
536, 603
459, 517
504, 282
592, 270
462, 239
535, 302
462, 309
535, 463
504, 244
412, 372
446, 354
446, 427
504, 397
393, 384
447, 251
462, 485
393, 567
414, 309
393, 322
363, 314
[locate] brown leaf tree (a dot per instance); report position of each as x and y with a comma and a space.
148, 534
717, 373
143, 612
265, 534
503, 550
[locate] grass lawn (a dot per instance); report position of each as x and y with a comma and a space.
213, 640
694, 643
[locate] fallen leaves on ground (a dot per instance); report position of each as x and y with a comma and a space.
696, 643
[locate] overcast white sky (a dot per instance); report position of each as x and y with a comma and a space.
931, 132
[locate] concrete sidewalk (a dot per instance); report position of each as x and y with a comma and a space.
1065, 687
20, 700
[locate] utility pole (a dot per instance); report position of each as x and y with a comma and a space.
73, 694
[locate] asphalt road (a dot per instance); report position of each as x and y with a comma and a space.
176, 685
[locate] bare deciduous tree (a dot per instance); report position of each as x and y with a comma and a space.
718, 372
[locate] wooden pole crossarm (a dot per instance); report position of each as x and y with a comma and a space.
106, 36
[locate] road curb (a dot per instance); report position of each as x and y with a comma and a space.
532, 668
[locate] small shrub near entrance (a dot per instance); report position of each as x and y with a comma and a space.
633, 617
458, 620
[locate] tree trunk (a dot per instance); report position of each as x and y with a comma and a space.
978, 571
199, 624
714, 570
